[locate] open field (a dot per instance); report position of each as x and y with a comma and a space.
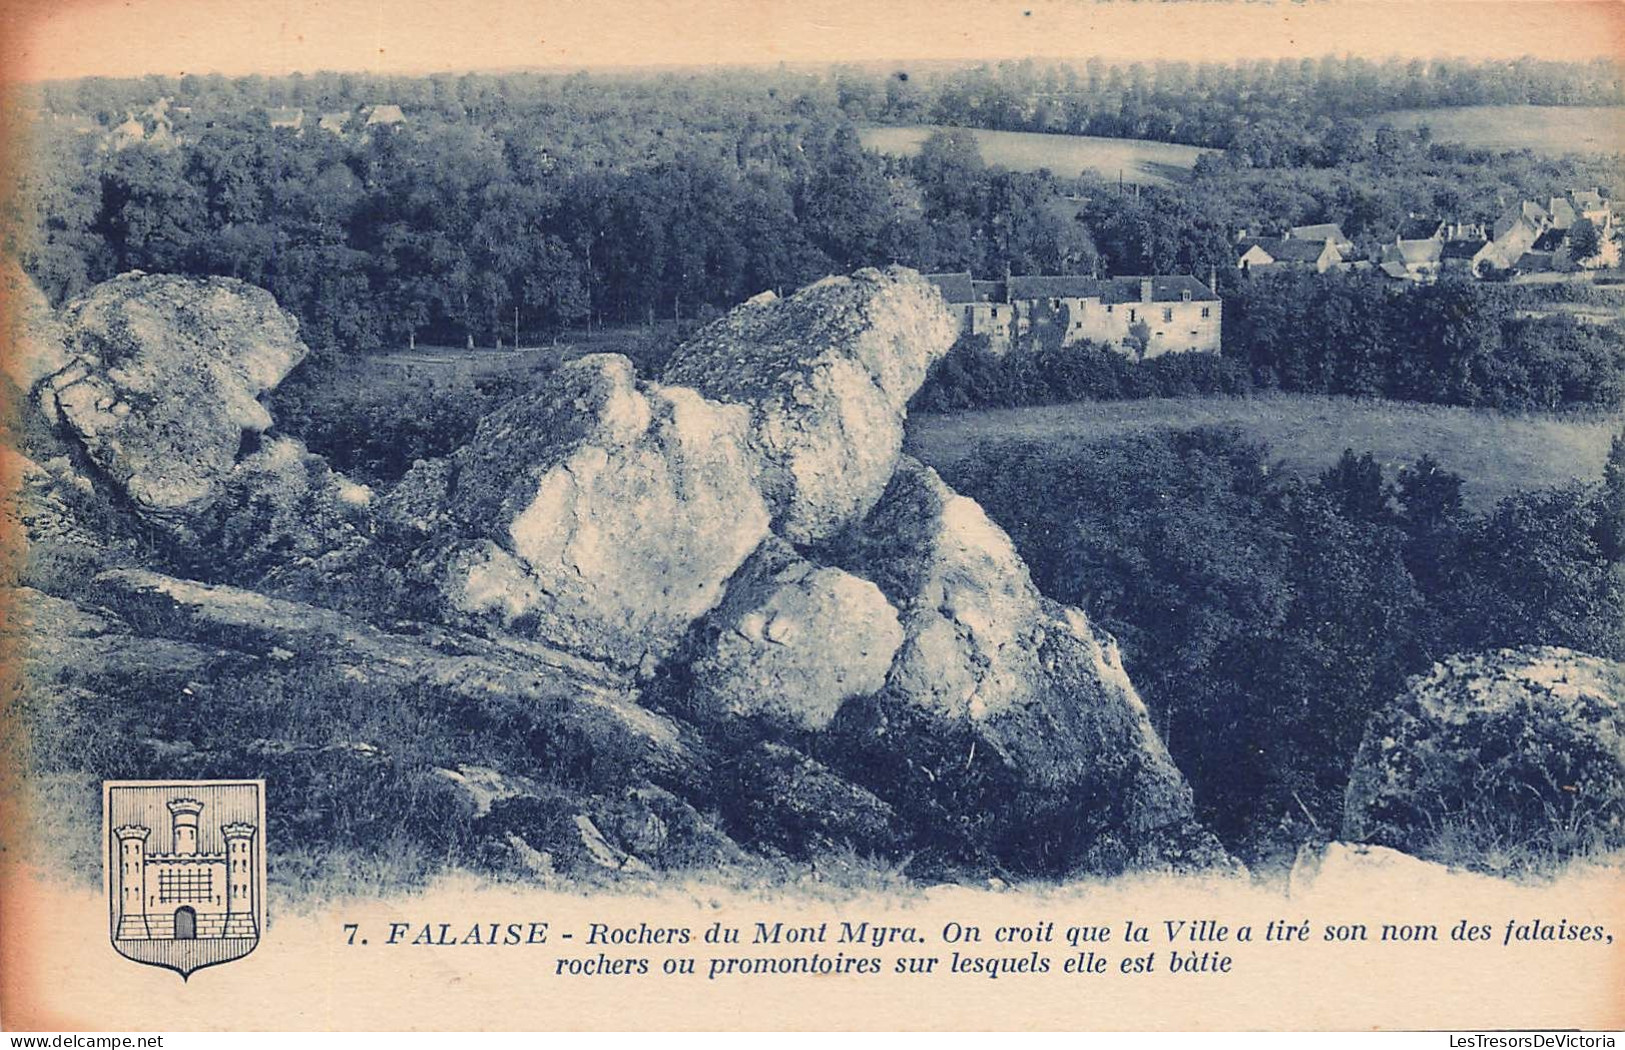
1544, 129
1135, 160
1497, 454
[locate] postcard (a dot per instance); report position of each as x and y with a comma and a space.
752, 515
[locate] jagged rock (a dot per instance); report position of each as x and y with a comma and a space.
416, 504
484, 786
164, 383
783, 799
600, 513
35, 341
570, 703
826, 374
792, 641
1502, 760
991, 670
278, 505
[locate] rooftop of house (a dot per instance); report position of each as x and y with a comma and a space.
1419, 228
1534, 262
1463, 249
1563, 214
1550, 241
955, 287
1324, 231
1165, 288
1285, 249
1395, 268
1586, 198
386, 114
1413, 253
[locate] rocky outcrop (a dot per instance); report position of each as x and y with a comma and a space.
629, 625
826, 375
1502, 760
164, 383
1047, 728
602, 514
791, 642
35, 344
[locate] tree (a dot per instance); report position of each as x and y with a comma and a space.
1585, 240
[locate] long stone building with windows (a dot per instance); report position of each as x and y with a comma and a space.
1143, 316
182, 894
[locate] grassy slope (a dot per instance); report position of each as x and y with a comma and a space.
1544, 129
1138, 160
1497, 454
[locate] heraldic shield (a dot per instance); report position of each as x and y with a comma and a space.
185, 870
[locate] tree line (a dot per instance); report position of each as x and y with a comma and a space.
1265, 616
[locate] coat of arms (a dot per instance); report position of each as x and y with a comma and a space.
185, 867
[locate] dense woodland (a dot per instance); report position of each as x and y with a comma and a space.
1265, 616
535, 203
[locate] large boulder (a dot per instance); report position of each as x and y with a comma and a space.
1503, 761
791, 641
826, 375
35, 344
164, 384
1015, 721
603, 514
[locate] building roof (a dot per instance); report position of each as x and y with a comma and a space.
1413, 253
1464, 249
1550, 241
1165, 288
1563, 214
988, 291
1586, 198
1325, 231
334, 121
955, 287
1419, 228
1534, 262
1286, 249
1395, 268
386, 114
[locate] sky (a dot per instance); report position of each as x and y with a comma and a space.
49, 39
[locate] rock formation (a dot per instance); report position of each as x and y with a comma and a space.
792, 642
601, 513
720, 597
826, 375
1506, 760
1021, 682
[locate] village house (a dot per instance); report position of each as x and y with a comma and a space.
1146, 316
284, 117
385, 115
1289, 252
1323, 233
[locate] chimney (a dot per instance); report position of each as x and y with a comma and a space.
1213, 279
1145, 290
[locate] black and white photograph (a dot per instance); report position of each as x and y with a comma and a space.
653, 456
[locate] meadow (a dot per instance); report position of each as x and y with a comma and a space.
1498, 454
1134, 160
1553, 130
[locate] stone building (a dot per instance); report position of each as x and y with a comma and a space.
1145, 316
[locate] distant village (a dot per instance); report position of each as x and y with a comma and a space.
1569, 233
1568, 236
1164, 313
164, 123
